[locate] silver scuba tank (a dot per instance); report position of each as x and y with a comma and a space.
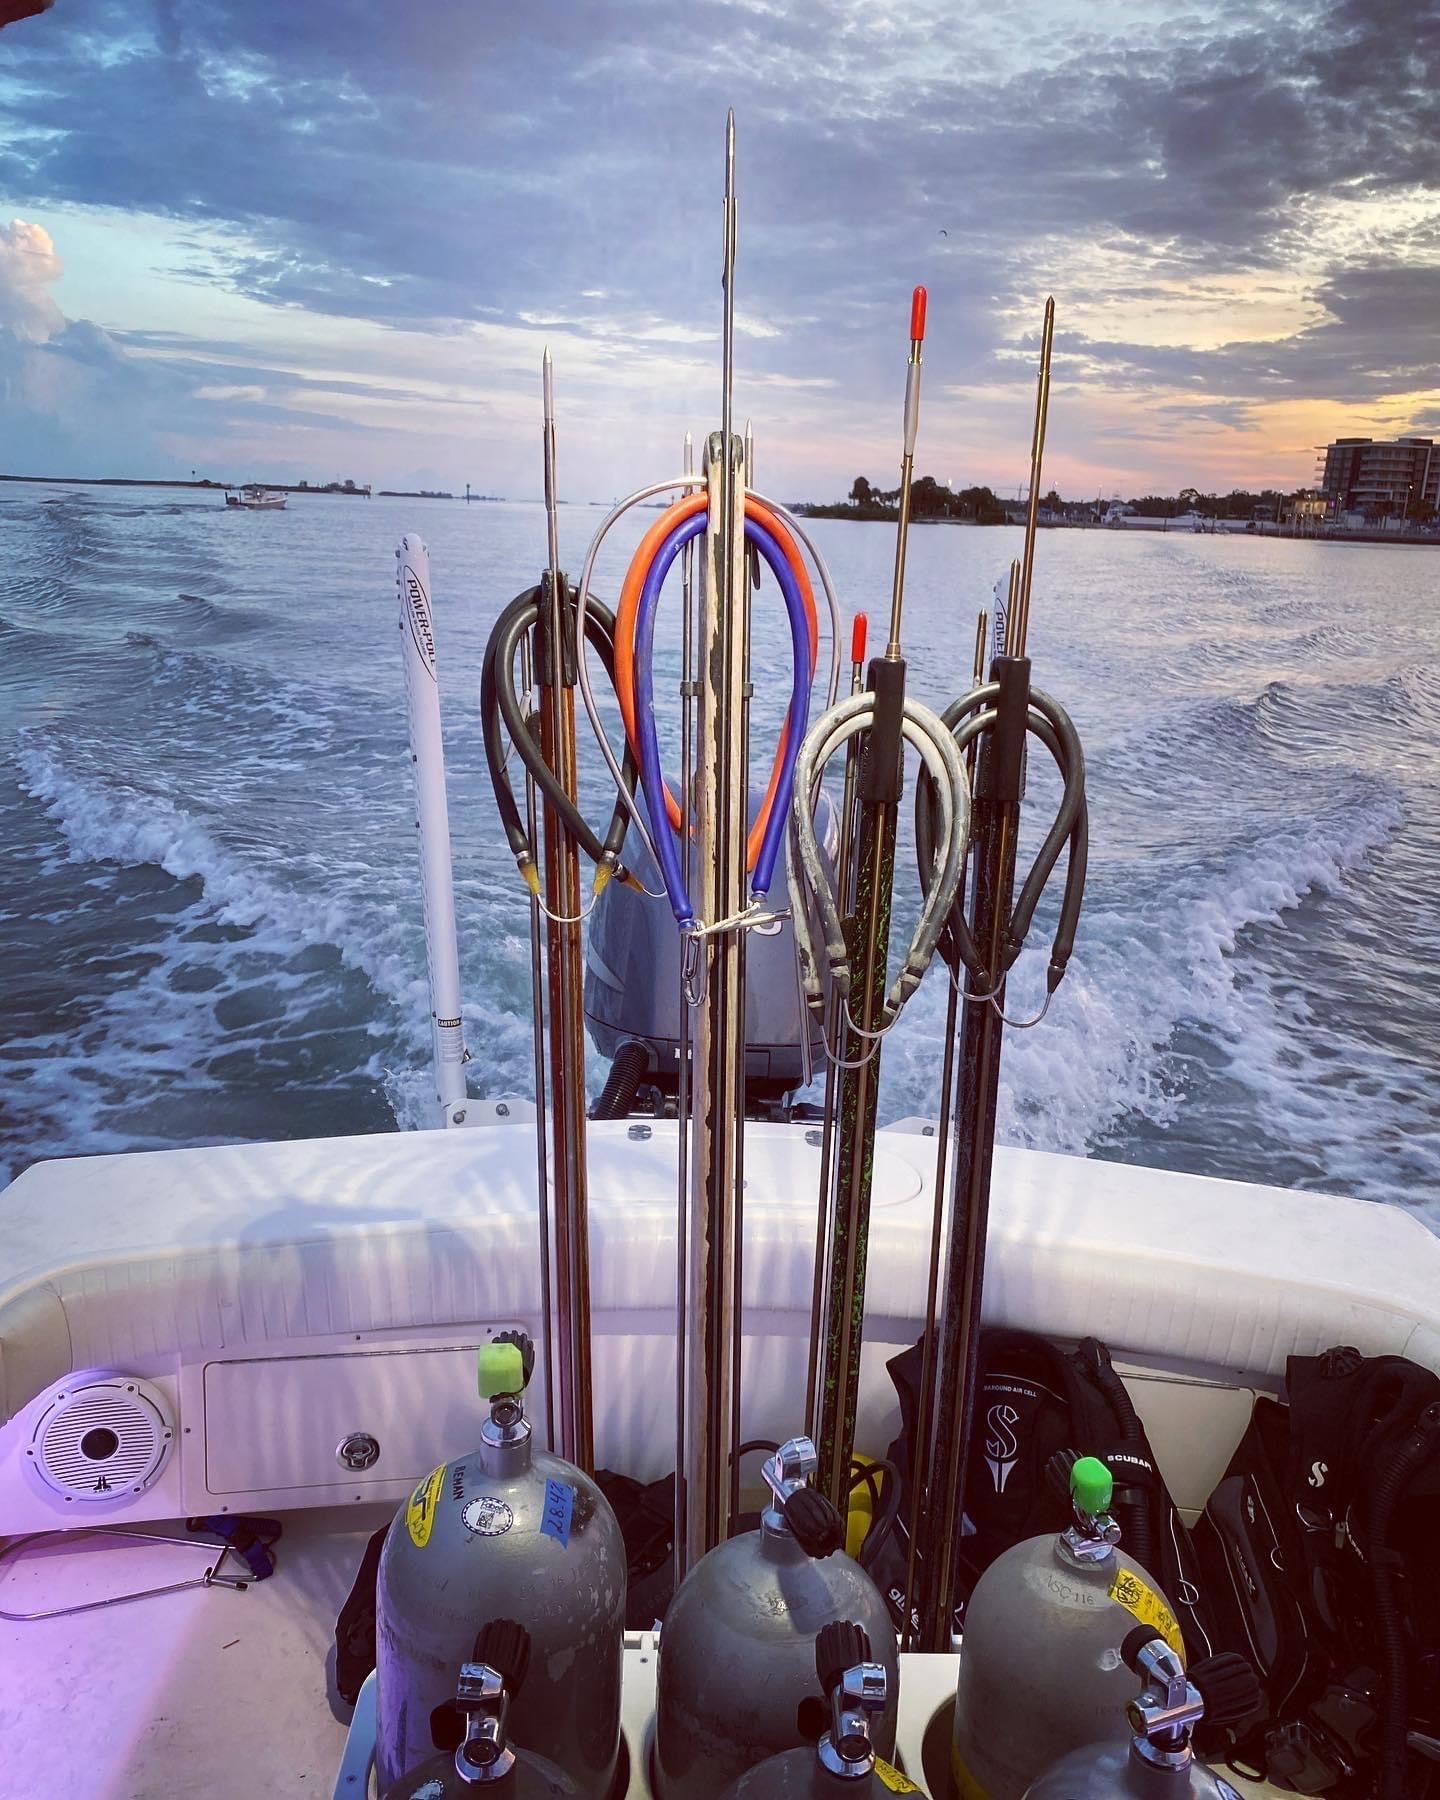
843, 1765
513, 1532
483, 1765
1158, 1762
1040, 1668
737, 1647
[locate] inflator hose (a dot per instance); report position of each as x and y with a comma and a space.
1136, 1516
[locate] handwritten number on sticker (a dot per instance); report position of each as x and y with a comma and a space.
559, 1510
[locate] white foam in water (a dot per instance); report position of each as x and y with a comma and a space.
115, 822
1135, 980
1253, 977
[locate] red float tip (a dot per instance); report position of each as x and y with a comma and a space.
857, 638
917, 314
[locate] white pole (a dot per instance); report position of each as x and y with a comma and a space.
432, 821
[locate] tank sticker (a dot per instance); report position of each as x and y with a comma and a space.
966, 1785
488, 1516
420, 1513
893, 1779
1144, 1604
559, 1510
1224, 1790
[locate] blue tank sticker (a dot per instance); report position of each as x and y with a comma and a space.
559, 1510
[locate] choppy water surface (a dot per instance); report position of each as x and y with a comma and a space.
209, 903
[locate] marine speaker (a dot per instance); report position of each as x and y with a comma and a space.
101, 1438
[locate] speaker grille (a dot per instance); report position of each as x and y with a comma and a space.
99, 1441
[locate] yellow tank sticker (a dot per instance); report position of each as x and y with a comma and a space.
420, 1513
1144, 1604
966, 1785
894, 1780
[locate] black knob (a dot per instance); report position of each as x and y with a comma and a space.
819, 1530
505, 1646
1135, 1642
525, 1344
1229, 1687
839, 1647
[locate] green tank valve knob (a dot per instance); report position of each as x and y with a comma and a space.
502, 1370
1091, 1486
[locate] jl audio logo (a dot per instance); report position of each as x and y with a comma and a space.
1002, 1447
1318, 1472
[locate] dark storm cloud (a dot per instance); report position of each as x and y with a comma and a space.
447, 162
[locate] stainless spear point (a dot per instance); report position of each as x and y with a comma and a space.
552, 517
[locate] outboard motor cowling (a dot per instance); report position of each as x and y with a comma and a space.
632, 991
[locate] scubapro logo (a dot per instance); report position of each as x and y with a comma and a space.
1002, 1447
1318, 1472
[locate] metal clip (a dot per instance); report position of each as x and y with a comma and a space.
692, 946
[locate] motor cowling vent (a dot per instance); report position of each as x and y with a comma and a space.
101, 1439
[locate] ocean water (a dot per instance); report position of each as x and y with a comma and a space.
209, 899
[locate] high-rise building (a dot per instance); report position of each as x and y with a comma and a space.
1363, 475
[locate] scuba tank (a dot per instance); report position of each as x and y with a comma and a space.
1158, 1762
1040, 1668
476, 1723
843, 1765
737, 1647
505, 1532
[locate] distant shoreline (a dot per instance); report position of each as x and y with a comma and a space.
206, 486
1263, 528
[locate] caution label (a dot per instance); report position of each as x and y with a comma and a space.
420, 1513
1143, 1603
893, 1779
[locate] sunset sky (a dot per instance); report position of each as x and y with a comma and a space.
313, 238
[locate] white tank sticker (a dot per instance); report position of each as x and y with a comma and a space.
487, 1516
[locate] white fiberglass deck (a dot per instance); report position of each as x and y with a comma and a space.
277, 1296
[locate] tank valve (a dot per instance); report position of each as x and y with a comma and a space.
1094, 1534
506, 1365
786, 1472
1223, 1689
798, 1510
856, 1690
482, 1699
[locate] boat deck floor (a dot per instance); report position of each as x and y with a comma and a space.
206, 1691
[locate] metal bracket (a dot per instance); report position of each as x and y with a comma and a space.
211, 1577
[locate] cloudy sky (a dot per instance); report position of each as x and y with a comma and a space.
331, 237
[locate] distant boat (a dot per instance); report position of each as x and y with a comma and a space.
1125, 518
257, 499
